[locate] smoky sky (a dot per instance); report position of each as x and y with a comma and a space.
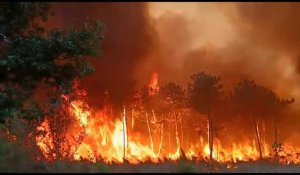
258, 41
236, 41
127, 39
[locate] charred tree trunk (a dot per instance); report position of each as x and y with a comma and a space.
257, 137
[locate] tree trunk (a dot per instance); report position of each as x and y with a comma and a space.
169, 137
177, 137
181, 140
187, 138
275, 127
161, 138
149, 130
210, 135
276, 139
125, 141
257, 138
132, 119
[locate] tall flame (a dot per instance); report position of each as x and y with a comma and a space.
112, 141
153, 85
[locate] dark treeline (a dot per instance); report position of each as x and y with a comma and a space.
204, 95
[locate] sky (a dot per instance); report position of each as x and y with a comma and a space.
236, 41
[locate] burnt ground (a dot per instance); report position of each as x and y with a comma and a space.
15, 159
165, 167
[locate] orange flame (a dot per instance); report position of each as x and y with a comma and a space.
153, 85
107, 140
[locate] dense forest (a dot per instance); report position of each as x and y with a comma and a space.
40, 73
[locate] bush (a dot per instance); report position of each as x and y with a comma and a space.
184, 167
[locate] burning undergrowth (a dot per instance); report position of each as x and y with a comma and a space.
145, 130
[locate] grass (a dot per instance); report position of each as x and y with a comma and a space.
14, 159
184, 167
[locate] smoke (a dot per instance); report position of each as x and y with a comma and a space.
258, 41
127, 39
233, 40
236, 41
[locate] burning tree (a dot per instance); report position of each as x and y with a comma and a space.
255, 101
275, 108
32, 56
250, 102
173, 101
204, 94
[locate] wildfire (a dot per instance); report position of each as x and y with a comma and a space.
153, 85
45, 140
113, 142
106, 143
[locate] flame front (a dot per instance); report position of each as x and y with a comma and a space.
106, 143
100, 136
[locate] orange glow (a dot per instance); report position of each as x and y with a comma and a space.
45, 141
103, 140
105, 143
153, 85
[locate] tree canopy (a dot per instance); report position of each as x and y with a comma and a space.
204, 92
258, 101
33, 55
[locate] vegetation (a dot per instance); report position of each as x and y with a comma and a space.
32, 56
204, 96
253, 101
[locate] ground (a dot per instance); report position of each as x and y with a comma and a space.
166, 167
15, 159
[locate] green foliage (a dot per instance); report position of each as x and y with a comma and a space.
32, 111
56, 57
15, 17
16, 159
4, 150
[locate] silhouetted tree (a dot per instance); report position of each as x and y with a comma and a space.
204, 94
275, 109
255, 101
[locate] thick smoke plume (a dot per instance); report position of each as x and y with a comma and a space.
234, 40
258, 41
127, 39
